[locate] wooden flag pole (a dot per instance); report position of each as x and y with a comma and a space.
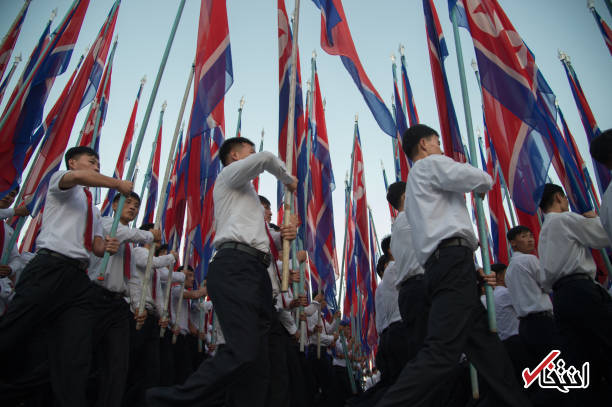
148, 175
180, 299
290, 138
161, 202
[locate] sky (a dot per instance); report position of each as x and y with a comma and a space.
377, 27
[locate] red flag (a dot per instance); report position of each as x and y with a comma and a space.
6, 48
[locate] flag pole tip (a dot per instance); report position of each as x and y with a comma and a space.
590, 4
356, 117
242, 102
393, 58
314, 54
143, 80
164, 105
18, 58
53, 14
474, 65
401, 49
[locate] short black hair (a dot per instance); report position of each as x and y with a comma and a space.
413, 135
264, 201
517, 230
381, 265
188, 267
147, 226
273, 227
548, 195
601, 147
385, 244
229, 144
160, 248
394, 194
76, 152
131, 195
498, 267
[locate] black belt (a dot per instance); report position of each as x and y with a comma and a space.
79, 264
566, 279
263, 257
538, 314
411, 279
450, 242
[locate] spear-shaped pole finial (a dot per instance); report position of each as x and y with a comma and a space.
164, 105
53, 14
590, 4
356, 117
474, 65
18, 58
143, 80
393, 58
401, 49
242, 102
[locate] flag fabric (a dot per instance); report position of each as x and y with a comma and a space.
606, 31
449, 127
56, 141
569, 138
45, 127
413, 116
214, 76
350, 266
28, 243
168, 212
362, 237
496, 205
336, 39
100, 105
322, 244
285, 49
26, 115
588, 122
513, 95
106, 209
153, 181
40, 45
370, 335
6, 48
7, 79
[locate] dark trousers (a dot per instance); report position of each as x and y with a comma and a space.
183, 365
240, 289
166, 355
54, 297
111, 345
457, 323
278, 390
144, 371
394, 352
297, 383
321, 372
414, 310
583, 312
342, 386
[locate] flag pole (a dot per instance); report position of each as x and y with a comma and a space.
239, 126
20, 15
96, 128
139, 140
9, 76
473, 160
396, 152
147, 176
290, 138
163, 192
500, 173
180, 298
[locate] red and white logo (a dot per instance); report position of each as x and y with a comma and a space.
552, 373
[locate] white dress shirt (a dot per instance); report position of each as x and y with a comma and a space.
524, 281
7, 213
605, 211
185, 306
140, 256
406, 262
564, 245
312, 322
505, 314
64, 220
435, 202
160, 279
13, 259
114, 277
197, 313
385, 300
239, 216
